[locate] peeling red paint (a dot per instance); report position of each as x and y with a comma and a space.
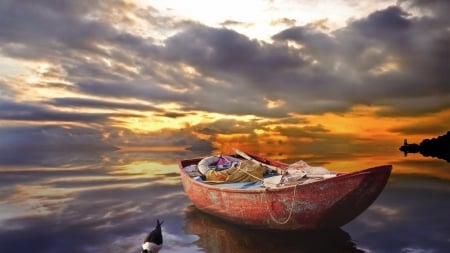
327, 203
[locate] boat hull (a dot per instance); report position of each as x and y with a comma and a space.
328, 203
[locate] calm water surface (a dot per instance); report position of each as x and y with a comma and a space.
107, 202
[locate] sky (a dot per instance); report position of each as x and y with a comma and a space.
284, 75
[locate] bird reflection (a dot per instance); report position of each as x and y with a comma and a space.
216, 235
436, 147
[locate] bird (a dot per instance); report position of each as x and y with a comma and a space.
154, 240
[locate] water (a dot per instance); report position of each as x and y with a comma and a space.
107, 202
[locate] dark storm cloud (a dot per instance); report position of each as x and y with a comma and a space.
385, 25
255, 70
51, 138
352, 56
30, 112
45, 25
243, 69
173, 114
175, 138
391, 58
325, 144
221, 99
229, 126
439, 8
438, 128
223, 50
62, 23
94, 103
137, 89
78, 36
307, 131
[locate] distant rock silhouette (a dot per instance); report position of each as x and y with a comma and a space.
436, 147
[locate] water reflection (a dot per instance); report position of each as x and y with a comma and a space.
411, 215
87, 203
51, 158
216, 235
107, 202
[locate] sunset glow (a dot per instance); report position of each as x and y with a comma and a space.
105, 104
281, 77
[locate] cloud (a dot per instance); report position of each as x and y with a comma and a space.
229, 126
201, 145
438, 127
283, 21
5, 91
100, 131
80, 43
223, 50
437, 9
140, 89
395, 58
100, 104
51, 138
235, 23
30, 112
389, 54
371, 61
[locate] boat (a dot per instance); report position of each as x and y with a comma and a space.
313, 202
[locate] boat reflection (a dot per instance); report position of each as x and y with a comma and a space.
216, 235
438, 147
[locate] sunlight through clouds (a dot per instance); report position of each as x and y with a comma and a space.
243, 72
98, 99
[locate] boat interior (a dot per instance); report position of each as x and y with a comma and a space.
241, 171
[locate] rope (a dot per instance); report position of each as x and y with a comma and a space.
274, 219
257, 178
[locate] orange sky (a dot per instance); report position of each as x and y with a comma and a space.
287, 77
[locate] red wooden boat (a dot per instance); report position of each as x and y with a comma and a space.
326, 203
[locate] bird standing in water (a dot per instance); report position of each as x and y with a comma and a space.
154, 240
